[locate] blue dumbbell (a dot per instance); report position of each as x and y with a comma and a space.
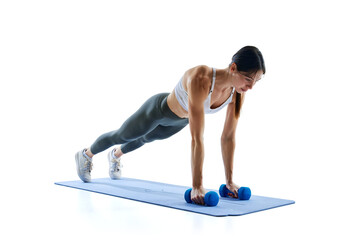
211, 198
244, 193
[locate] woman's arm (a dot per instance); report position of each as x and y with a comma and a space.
228, 145
198, 90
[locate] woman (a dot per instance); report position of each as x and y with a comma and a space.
201, 90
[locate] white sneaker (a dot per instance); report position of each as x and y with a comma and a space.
114, 166
83, 166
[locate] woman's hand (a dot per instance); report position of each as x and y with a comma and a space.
233, 188
197, 195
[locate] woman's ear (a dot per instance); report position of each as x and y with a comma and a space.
233, 67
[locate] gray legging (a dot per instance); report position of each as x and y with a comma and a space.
153, 121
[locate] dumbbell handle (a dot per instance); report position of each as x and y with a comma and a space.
244, 193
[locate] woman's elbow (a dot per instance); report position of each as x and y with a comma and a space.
228, 138
197, 139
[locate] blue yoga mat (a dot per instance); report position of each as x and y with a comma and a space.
172, 196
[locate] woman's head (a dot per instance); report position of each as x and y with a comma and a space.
247, 65
249, 60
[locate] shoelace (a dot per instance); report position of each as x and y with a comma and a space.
116, 165
88, 165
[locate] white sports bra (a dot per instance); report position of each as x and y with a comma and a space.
182, 97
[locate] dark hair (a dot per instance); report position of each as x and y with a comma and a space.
250, 60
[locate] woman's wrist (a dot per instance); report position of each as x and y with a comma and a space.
228, 177
197, 182
229, 182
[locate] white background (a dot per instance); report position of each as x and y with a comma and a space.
72, 70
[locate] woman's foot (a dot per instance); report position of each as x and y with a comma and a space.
114, 165
83, 165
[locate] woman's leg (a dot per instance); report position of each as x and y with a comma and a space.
143, 121
159, 133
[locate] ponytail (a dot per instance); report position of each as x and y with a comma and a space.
238, 104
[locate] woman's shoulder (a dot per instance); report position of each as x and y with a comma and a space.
199, 71
199, 75
197, 81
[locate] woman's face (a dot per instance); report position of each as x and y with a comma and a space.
243, 81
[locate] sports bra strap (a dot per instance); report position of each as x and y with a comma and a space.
213, 80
